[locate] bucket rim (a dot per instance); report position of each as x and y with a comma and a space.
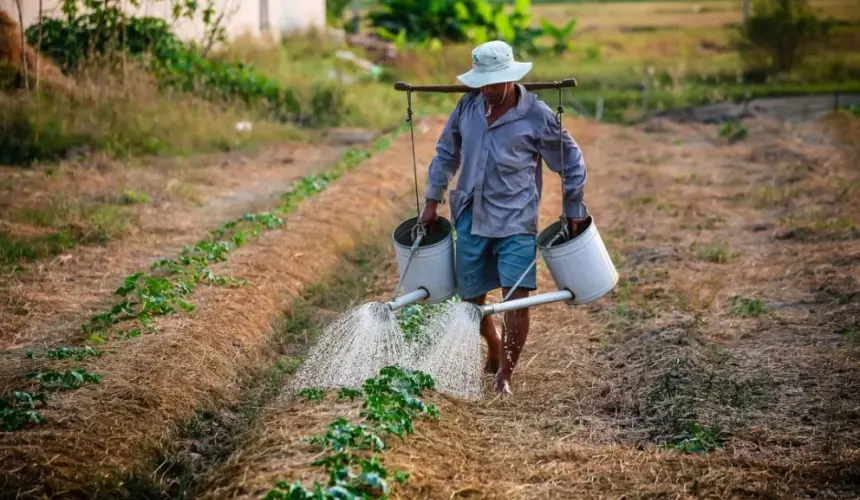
410, 223
551, 230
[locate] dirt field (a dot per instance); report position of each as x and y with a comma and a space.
734, 331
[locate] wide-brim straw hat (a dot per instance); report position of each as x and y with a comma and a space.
493, 62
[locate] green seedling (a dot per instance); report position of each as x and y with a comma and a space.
391, 400
312, 394
347, 393
698, 440
75, 378
21, 410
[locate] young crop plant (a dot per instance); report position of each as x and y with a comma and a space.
52, 380
67, 353
312, 394
351, 451
19, 410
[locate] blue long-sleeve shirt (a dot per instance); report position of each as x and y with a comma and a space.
500, 174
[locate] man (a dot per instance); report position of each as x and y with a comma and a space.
496, 137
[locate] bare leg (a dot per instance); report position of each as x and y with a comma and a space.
514, 333
488, 331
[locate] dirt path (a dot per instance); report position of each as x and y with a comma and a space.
153, 383
733, 331
47, 304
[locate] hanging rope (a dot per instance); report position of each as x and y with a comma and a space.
410, 119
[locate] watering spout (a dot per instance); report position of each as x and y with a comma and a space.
526, 302
409, 298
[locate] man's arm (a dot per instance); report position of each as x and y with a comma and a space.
572, 166
444, 165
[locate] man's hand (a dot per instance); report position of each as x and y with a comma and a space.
576, 224
428, 215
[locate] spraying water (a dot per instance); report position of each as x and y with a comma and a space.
452, 353
354, 348
365, 339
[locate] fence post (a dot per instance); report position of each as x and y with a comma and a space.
598, 113
836, 100
645, 81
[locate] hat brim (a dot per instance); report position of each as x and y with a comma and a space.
513, 73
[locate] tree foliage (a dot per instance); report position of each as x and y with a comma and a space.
474, 21
780, 33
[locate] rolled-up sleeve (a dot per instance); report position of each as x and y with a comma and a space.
445, 163
572, 167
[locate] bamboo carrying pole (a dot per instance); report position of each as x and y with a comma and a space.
453, 89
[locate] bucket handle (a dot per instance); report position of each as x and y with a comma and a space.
418, 234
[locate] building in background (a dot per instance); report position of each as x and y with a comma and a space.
257, 18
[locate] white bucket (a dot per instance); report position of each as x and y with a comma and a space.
432, 267
581, 265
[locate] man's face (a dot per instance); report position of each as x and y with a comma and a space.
495, 93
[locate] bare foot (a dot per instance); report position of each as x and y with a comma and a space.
503, 384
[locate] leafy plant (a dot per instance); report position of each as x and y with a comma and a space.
106, 30
64, 353
733, 131
781, 33
348, 393
698, 439
69, 379
475, 21
21, 409
560, 36
391, 400
312, 394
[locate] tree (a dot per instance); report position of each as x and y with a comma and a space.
780, 33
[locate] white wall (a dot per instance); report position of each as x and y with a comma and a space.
300, 15
241, 16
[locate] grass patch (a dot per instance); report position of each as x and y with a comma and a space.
718, 253
124, 115
812, 226
747, 308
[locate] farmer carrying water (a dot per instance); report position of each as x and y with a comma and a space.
496, 136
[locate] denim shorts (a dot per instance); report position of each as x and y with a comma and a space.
485, 264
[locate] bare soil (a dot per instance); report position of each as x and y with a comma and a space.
724, 365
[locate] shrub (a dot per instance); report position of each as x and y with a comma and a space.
105, 31
780, 33
475, 21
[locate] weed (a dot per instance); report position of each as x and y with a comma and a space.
733, 131
130, 197
852, 334
19, 410
312, 394
391, 400
747, 308
75, 378
716, 252
698, 439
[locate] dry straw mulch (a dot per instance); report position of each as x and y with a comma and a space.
605, 394
197, 359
